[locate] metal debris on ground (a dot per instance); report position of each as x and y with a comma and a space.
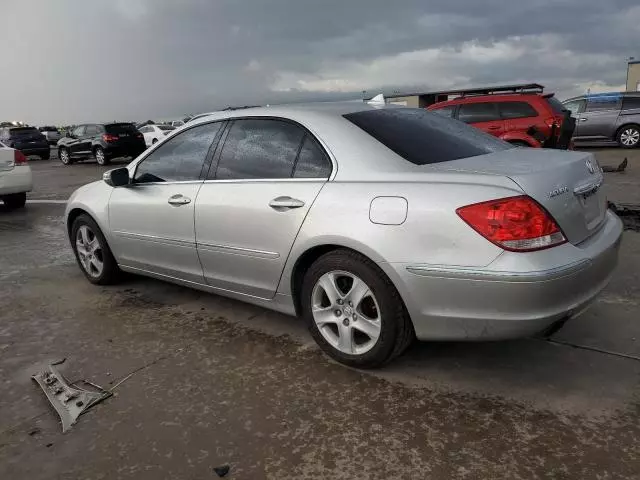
222, 471
620, 168
629, 214
68, 399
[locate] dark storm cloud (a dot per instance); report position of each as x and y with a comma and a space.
97, 60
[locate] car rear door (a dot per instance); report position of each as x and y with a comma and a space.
482, 115
152, 219
265, 178
518, 116
598, 121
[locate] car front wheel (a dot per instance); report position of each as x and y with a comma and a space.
353, 311
629, 136
92, 252
64, 156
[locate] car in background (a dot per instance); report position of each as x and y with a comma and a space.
530, 119
52, 134
375, 224
15, 177
177, 123
153, 133
100, 141
606, 118
26, 139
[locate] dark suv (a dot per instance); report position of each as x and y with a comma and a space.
26, 139
102, 142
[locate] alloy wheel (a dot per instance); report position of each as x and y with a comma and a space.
346, 312
630, 137
100, 156
89, 251
64, 156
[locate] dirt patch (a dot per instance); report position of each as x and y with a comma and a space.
629, 214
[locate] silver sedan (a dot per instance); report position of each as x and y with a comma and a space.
374, 224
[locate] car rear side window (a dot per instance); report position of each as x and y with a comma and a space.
445, 111
478, 112
91, 130
179, 159
312, 161
512, 110
630, 103
422, 137
259, 148
604, 102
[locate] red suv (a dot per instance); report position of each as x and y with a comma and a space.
525, 119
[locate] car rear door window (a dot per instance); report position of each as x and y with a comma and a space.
631, 103
312, 162
575, 106
445, 111
604, 102
259, 148
179, 159
512, 110
91, 130
422, 138
478, 112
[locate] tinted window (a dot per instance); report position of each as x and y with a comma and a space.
630, 103
516, 110
422, 137
478, 112
120, 128
312, 161
144, 129
445, 111
165, 127
604, 102
259, 148
91, 130
181, 158
23, 131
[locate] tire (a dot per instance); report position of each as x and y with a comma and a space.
629, 136
95, 260
15, 200
380, 310
45, 156
64, 156
154, 141
100, 156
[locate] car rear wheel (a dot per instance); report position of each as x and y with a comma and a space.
100, 156
45, 156
15, 200
353, 311
629, 136
92, 252
64, 156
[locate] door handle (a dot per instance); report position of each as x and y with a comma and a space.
285, 203
583, 119
178, 200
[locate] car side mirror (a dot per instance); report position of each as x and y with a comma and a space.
118, 177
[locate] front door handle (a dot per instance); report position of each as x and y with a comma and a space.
285, 203
178, 200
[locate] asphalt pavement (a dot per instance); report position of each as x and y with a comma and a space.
210, 381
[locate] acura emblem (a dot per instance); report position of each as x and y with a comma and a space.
590, 166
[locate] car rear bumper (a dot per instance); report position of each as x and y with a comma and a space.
519, 294
39, 150
131, 150
17, 180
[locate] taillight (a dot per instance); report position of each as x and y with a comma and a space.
517, 224
19, 158
107, 137
550, 122
139, 135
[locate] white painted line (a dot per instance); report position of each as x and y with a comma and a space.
52, 202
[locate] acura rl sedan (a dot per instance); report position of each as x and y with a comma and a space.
374, 224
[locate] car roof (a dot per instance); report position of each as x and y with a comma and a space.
496, 97
603, 95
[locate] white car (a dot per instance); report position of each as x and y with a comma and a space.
15, 177
153, 133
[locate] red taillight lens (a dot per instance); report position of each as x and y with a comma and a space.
107, 137
550, 122
19, 158
518, 224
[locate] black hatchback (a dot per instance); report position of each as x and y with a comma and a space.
28, 140
102, 142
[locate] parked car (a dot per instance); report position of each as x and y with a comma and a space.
15, 177
102, 142
177, 123
606, 118
375, 224
26, 139
152, 133
523, 119
51, 134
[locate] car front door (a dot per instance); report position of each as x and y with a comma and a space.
151, 220
598, 121
483, 115
249, 211
86, 140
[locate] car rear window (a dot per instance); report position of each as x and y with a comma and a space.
166, 127
20, 131
121, 128
423, 137
556, 105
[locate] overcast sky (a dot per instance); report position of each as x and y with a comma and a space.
72, 61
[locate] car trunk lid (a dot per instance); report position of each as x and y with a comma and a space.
7, 159
566, 184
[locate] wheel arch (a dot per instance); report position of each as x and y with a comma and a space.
625, 125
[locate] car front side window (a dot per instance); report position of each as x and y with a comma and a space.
179, 159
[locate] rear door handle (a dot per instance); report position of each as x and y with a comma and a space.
178, 200
285, 203
584, 119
